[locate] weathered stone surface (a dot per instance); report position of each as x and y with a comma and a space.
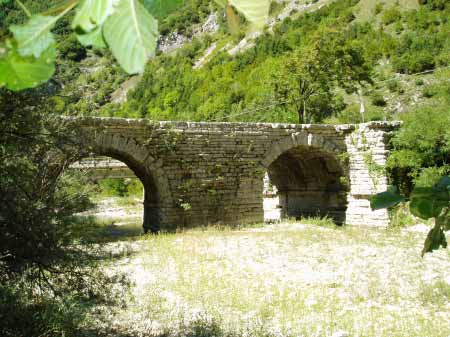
204, 173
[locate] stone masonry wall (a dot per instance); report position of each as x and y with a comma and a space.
367, 151
206, 173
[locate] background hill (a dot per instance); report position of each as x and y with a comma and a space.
202, 72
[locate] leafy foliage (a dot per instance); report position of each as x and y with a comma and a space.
48, 279
162, 8
386, 199
125, 26
230, 87
425, 203
128, 27
184, 17
131, 32
20, 72
92, 14
35, 37
421, 146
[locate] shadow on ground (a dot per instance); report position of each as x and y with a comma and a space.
90, 230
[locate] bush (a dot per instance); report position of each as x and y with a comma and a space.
434, 4
378, 8
419, 82
429, 91
350, 115
70, 49
120, 187
394, 86
375, 114
377, 99
411, 63
23, 316
47, 278
421, 147
391, 15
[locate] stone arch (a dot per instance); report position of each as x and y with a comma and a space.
302, 138
149, 170
309, 177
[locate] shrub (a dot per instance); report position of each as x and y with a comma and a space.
434, 4
375, 114
391, 15
378, 8
120, 187
410, 63
377, 99
70, 49
350, 115
47, 278
429, 91
394, 85
420, 147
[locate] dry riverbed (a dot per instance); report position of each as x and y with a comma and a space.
288, 279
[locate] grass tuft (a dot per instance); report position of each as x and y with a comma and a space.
324, 221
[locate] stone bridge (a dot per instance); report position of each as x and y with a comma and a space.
102, 168
199, 173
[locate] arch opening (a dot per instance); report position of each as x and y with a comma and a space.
114, 165
306, 181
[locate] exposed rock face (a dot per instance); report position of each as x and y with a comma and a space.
173, 41
206, 173
211, 24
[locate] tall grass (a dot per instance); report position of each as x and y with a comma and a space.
286, 280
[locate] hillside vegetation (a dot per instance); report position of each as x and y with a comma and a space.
395, 53
394, 42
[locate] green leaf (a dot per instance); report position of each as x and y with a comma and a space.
255, 11
18, 72
428, 203
162, 8
422, 208
443, 184
385, 199
434, 240
34, 37
131, 33
93, 38
92, 13
443, 219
